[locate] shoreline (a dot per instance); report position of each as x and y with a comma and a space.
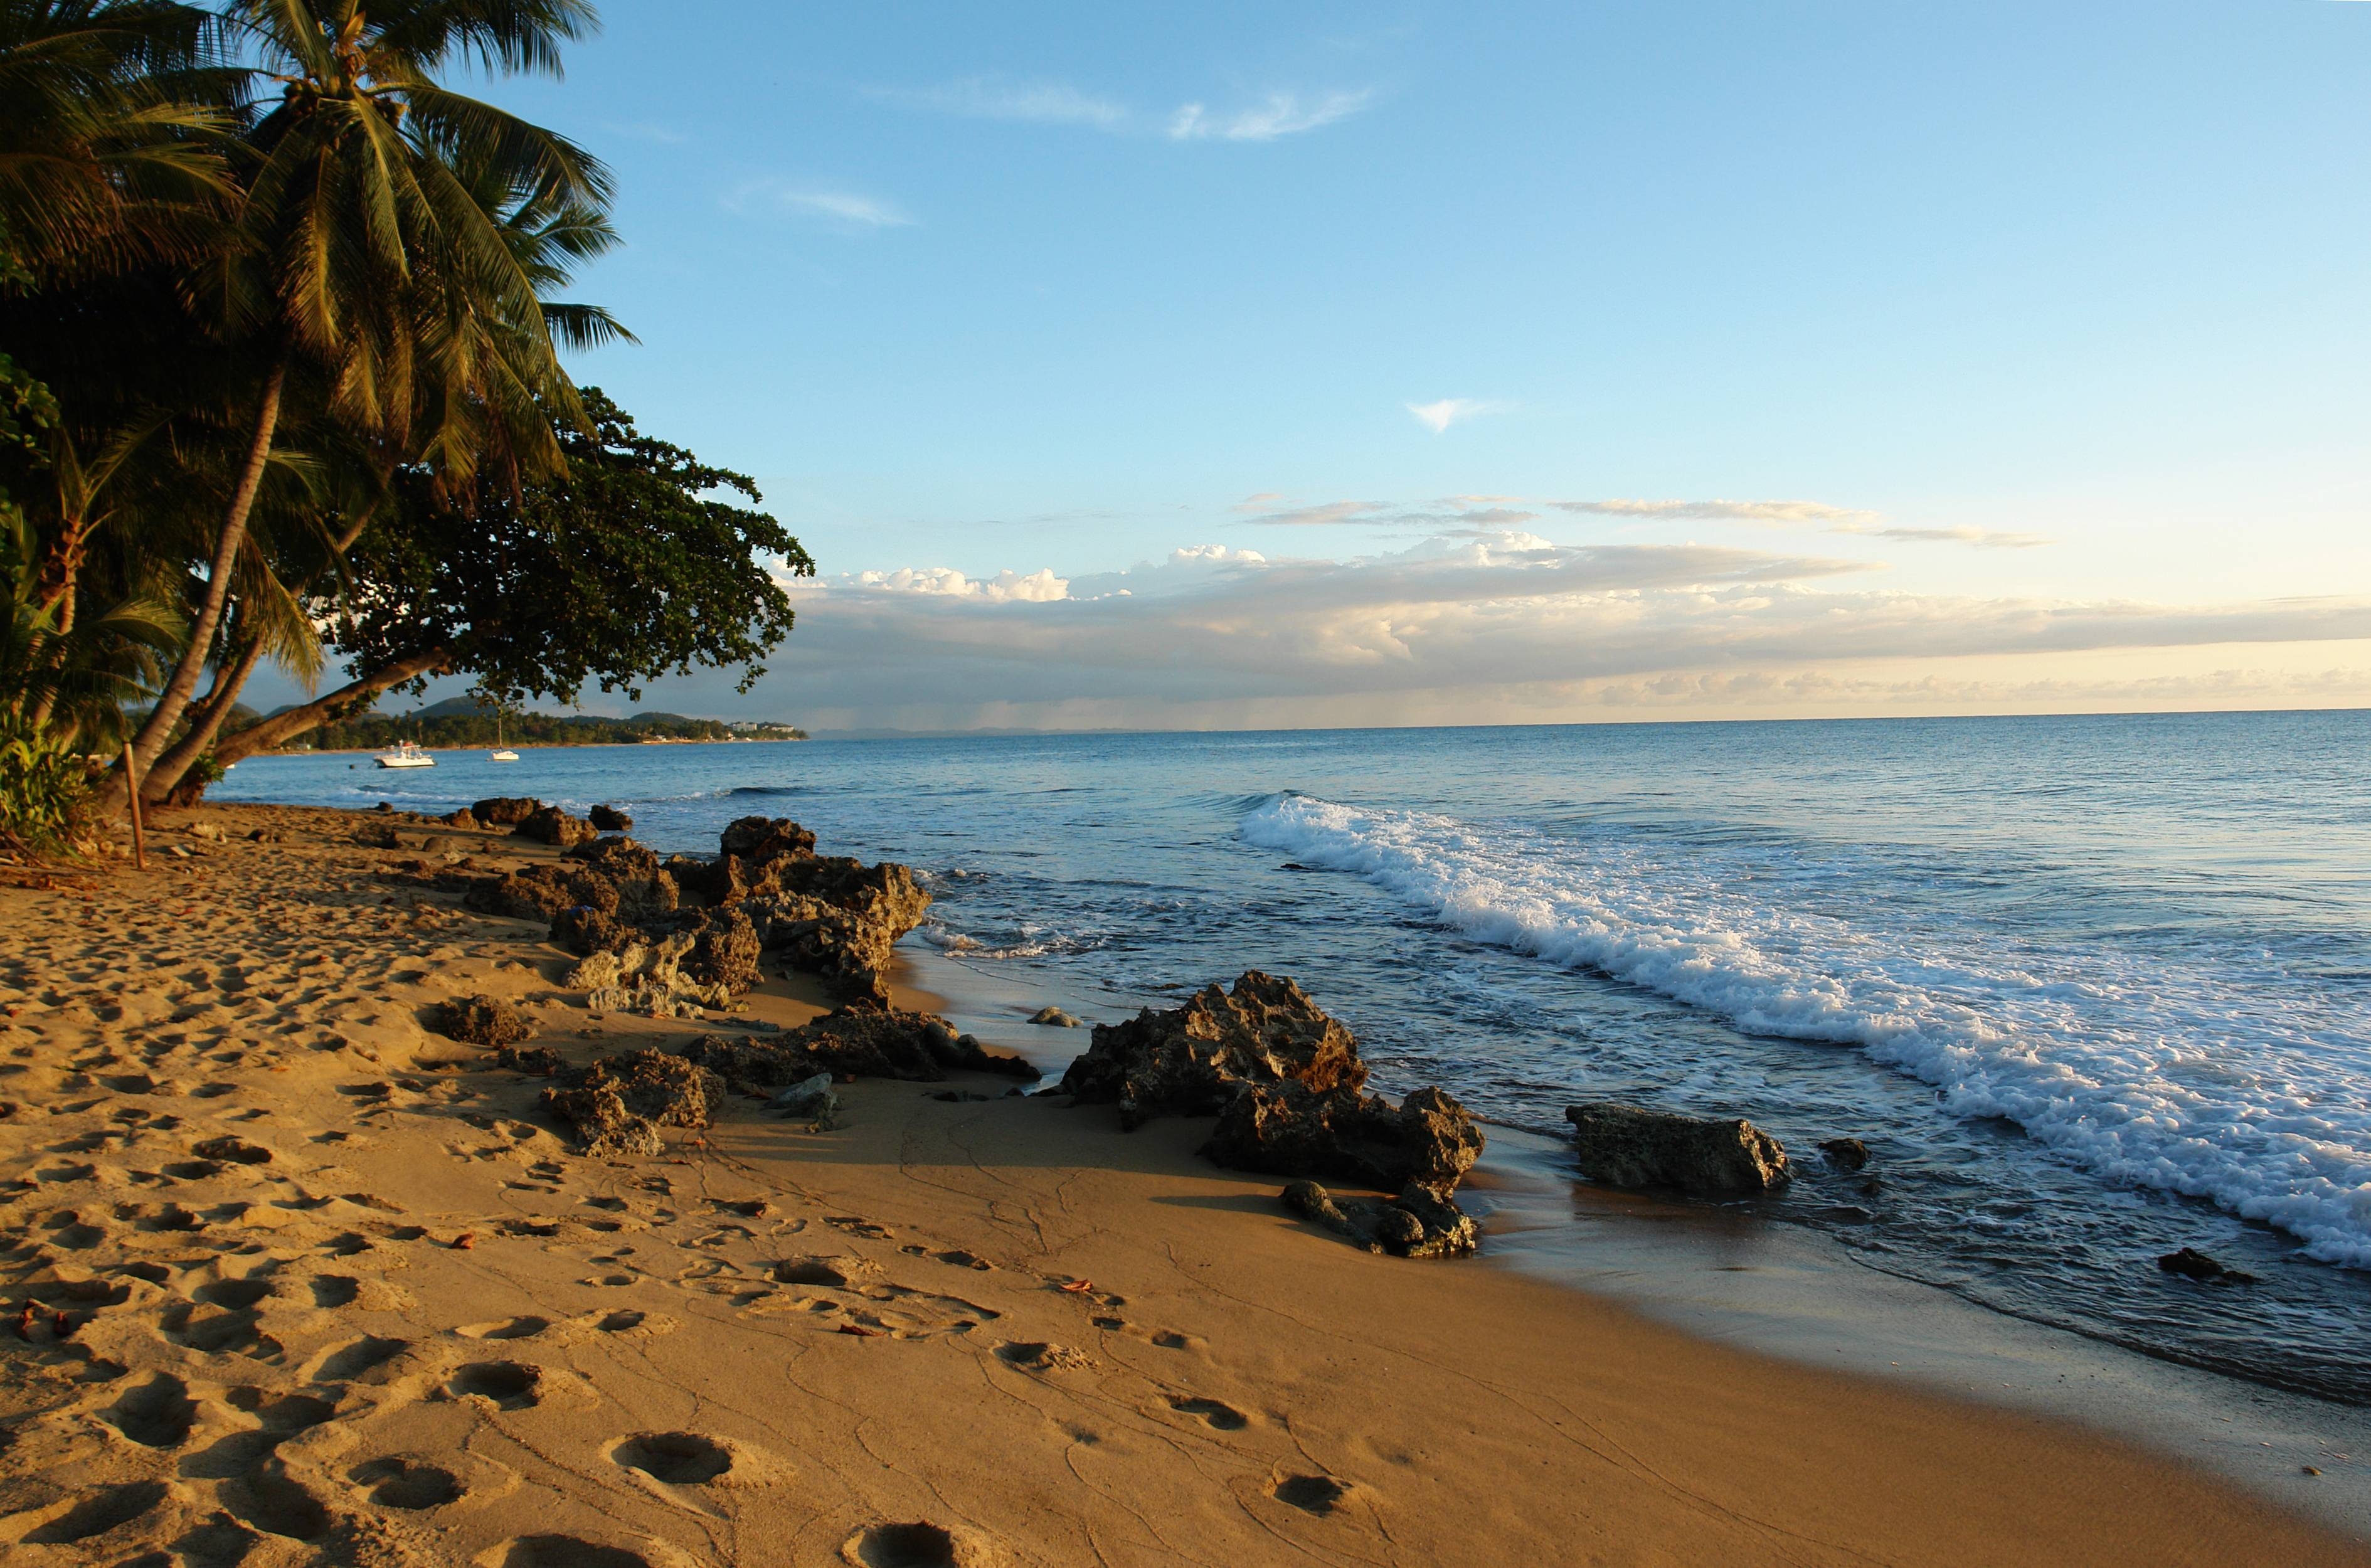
1234, 1386
1735, 1276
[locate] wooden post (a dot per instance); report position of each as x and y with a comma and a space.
131, 778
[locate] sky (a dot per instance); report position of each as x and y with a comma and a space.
1233, 365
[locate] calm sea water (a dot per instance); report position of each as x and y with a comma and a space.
2091, 988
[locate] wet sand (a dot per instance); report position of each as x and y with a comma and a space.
393, 1320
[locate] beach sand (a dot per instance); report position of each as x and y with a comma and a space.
393, 1319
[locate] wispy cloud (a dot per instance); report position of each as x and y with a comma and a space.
1719, 511
1438, 417
1803, 514
1281, 114
846, 209
997, 98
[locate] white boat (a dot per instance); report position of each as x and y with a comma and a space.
405, 754
500, 755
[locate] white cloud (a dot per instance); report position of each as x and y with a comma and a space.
1282, 114
1438, 417
1490, 626
994, 98
843, 208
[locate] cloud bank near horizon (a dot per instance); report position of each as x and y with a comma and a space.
1493, 627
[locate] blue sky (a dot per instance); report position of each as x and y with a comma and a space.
2032, 315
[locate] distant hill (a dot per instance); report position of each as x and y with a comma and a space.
464, 722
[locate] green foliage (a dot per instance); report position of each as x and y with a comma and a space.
70, 687
45, 791
624, 570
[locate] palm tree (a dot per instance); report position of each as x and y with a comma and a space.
111, 120
360, 241
483, 397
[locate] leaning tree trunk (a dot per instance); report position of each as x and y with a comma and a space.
163, 780
184, 682
268, 732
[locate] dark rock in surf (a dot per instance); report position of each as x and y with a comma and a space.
1191, 1061
609, 819
2191, 1263
1055, 1018
1847, 1154
1288, 1129
765, 838
1628, 1146
839, 918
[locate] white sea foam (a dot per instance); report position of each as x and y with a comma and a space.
2253, 1091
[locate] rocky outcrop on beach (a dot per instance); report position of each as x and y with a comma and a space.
1286, 1084
1194, 1060
918, 1047
617, 1106
609, 819
646, 891
505, 811
1629, 1145
1421, 1222
541, 893
1287, 1129
553, 825
482, 1021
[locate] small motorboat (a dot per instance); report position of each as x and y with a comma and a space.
501, 754
405, 754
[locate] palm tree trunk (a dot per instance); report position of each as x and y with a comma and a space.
184, 682
279, 727
206, 721
165, 777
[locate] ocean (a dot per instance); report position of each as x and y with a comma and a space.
2090, 990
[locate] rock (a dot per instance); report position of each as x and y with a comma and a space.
600, 971
1627, 1145
765, 838
811, 1099
1287, 1129
645, 890
208, 832
609, 819
1055, 1018
264, 836
2191, 1263
917, 1047
539, 893
462, 818
1849, 1154
237, 1151
723, 950
603, 1125
618, 1105
505, 811
1418, 1223
552, 826
585, 930
839, 918
440, 844
536, 1061
482, 1021
1193, 1060
375, 836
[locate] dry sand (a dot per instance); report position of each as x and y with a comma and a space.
394, 1319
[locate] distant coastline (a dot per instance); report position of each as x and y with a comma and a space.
461, 725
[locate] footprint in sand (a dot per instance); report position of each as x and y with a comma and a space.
510, 1385
97, 1514
679, 1458
560, 1552
916, 1545
401, 1481
505, 1329
158, 1414
1316, 1495
1222, 1417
